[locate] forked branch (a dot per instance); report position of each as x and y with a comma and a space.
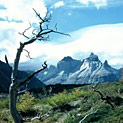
44, 66
28, 53
23, 33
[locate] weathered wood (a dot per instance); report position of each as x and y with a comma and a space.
16, 84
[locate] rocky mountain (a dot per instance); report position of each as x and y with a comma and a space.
71, 71
5, 78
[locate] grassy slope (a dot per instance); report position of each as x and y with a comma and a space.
72, 106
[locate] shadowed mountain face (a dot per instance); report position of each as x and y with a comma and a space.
71, 71
5, 78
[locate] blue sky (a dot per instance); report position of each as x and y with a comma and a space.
94, 25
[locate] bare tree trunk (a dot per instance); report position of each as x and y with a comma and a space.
13, 99
16, 84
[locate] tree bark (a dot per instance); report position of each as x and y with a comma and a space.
13, 99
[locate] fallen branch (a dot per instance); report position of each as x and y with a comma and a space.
106, 98
87, 115
40, 116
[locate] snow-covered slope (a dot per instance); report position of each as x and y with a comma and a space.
71, 71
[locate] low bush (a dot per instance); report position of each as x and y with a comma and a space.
4, 103
65, 97
26, 104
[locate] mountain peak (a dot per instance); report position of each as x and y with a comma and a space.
106, 63
67, 58
93, 57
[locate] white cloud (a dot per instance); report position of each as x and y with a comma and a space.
70, 13
58, 4
97, 3
22, 9
116, 61
17, 10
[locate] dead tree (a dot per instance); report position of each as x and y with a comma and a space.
40, 34
105, 98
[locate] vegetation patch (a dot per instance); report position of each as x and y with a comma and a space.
70, 106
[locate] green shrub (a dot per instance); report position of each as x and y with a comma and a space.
26, 103
5, 117
4, 103
65, 97
77, 93
73, 117
59, 99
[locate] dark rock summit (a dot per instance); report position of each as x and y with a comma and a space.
5, 78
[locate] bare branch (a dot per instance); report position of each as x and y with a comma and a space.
87, 115
50, 31
21, 92
56, 27
44, 66
28, 53
23, 33
62, 33
47, 26
38, 15
33, 32
106, 98
6, 59
40, 116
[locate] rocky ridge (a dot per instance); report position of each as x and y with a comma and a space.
72, 71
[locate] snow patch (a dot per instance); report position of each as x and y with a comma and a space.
61, 73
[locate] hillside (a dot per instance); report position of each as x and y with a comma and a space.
78, 105
5, 78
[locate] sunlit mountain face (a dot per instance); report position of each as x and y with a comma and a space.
72, 71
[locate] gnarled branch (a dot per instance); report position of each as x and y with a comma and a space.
44, 66
106, 98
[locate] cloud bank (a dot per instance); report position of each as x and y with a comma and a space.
103, 40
